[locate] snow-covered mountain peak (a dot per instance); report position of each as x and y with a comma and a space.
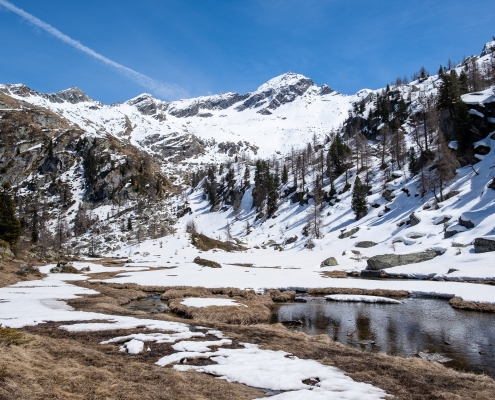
72, 95
283, 81
488, 48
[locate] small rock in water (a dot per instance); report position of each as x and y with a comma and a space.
290, 322
364, 342
300, 300
434, 357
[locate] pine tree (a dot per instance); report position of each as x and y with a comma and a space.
359, 204
129, 224
50, 149
10, 226
247, 177
413, 161
285, 175
339, 152
462, 128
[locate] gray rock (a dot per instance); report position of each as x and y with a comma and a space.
365, 244
388, 195
484, 245
393, 260
413, 220
291, 240
329, 262
433, 357
466, 223
347, 234
443, 221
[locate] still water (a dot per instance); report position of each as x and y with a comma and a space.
416, 325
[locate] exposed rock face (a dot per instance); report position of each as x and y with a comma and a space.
274, 97
325, 89
383, 261
484, 244
220, 102
365, 244
5, 250
329, 262
388, 195
347, 234
72, 95
466, 223
413, 220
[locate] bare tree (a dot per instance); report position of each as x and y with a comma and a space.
446, 164
314, 218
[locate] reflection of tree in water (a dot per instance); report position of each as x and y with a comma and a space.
416, 325
363, 326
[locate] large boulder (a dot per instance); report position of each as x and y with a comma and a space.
5, 249
383, 261
413, 220
329, 262
484, 244
365, 244
347, 234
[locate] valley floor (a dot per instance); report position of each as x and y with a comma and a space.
84, 346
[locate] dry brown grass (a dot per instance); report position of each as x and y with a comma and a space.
109, 300
278, 296
205, 243
362, 292
258, 308
10, 273
333, 274
61, 365
457, 302
406, 379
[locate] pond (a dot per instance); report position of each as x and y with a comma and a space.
152, 304
417, 325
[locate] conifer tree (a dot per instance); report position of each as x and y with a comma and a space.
339, 152
359, 204
129, 224
285, 175
247, 177
10, 226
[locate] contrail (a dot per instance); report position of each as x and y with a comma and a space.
168, 91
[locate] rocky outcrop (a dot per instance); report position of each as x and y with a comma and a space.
365, 244
384, 261
274, 97
413, 220
347, 234
466, 222
5, 249
329, 262
484, 244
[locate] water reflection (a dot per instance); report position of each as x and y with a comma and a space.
418, 324
151, 304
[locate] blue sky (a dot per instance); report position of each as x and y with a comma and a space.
200, 47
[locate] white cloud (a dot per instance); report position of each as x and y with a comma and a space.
165, 90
